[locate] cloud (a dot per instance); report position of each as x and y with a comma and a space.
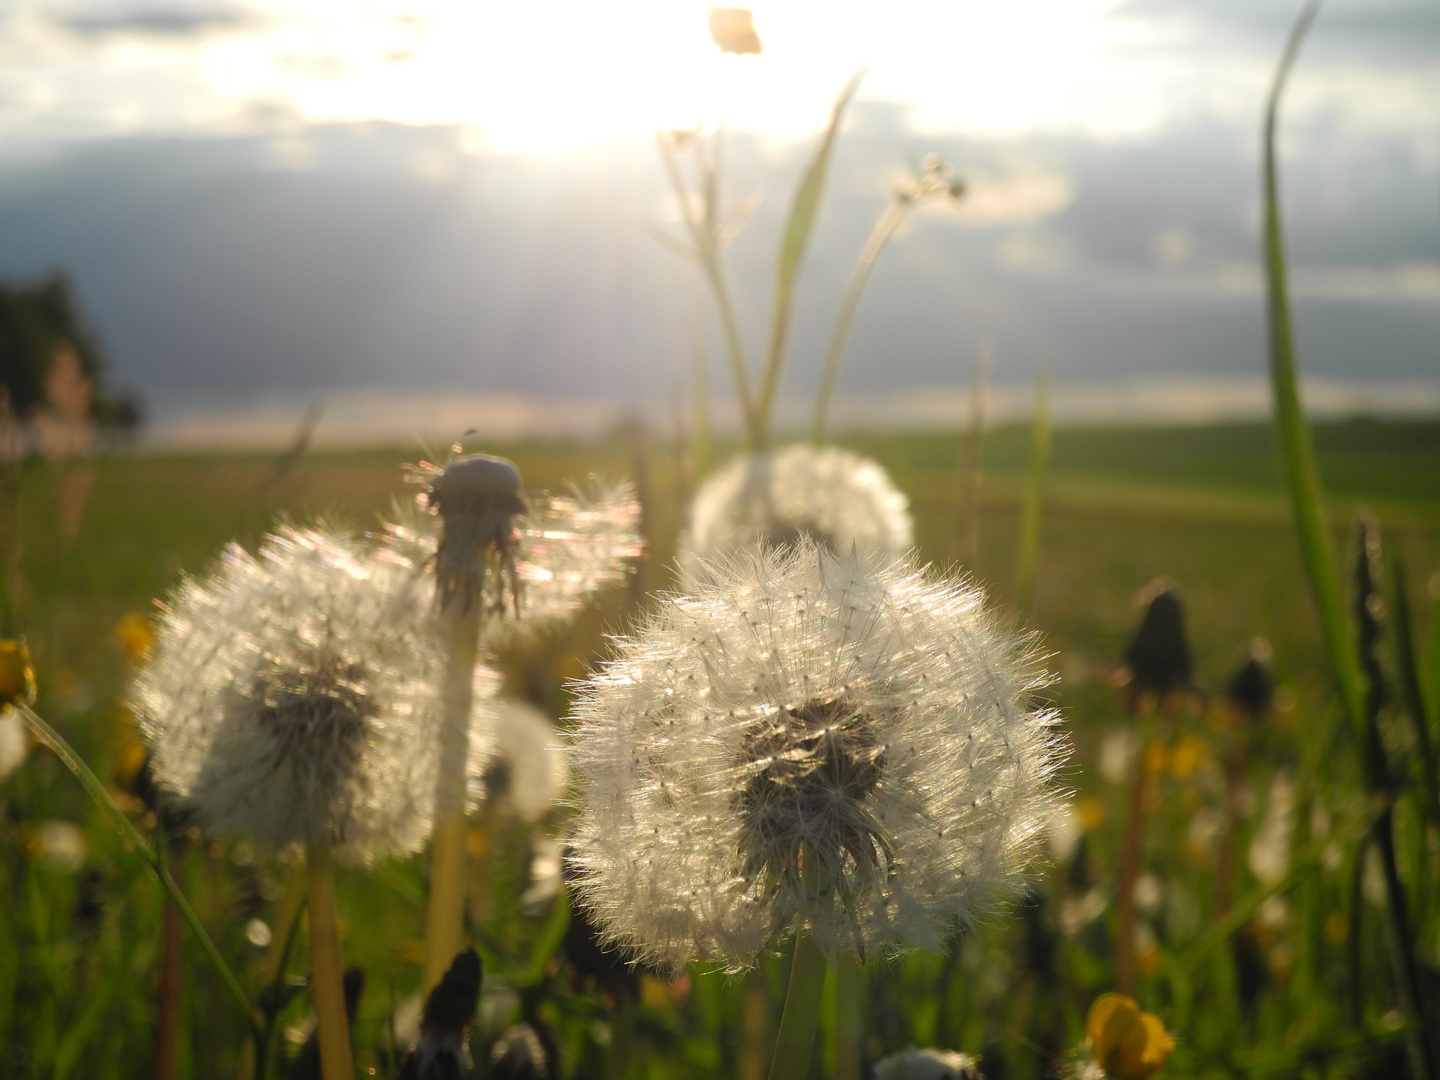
153, 20
415, 258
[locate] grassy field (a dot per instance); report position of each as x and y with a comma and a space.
1305, 990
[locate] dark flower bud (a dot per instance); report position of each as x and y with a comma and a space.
1159, 654
1251, 689
449, 1010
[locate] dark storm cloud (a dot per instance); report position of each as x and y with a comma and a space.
1369, 30
378, 254
155, 20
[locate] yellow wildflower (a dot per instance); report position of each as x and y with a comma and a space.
135, 634
1127, 1043
17, 673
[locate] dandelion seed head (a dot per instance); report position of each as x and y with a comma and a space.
477, 497
289, 697
801, 705
838, 499
516, 760
562, 549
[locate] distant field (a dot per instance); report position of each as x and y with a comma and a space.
1200, 506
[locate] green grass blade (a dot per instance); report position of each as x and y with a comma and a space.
1408, 669
96, 790
700, 409
1292, 433
792, 253
1034, 493
885, 227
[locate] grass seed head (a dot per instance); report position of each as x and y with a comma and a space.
801, 705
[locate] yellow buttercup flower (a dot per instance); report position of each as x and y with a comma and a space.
17, 673
134, 633
1127, 1043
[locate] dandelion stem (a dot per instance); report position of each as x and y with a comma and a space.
755, 1024
798, 1022
445, 926
1130, 858
327, 981
96, 790
795, 1041
850, 1019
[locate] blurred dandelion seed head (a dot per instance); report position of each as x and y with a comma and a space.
836, 498
477, 497
854, 710
562, 549
928, 1064
289, 697
517, 763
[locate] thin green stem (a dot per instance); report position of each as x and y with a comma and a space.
885, 228
1034, 493
705, 249
96, 790
796, 1039
793, 243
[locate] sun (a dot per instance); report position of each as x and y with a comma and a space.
554, 76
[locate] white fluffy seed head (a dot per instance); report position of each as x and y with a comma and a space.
839, 499
856, 710
517, 763
290, 697
562, 549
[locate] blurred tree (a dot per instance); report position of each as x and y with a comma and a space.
40, 323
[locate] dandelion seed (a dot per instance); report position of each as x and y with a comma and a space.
289, 698
847, 720
838, 499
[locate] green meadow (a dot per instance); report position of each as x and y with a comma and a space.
1298, 984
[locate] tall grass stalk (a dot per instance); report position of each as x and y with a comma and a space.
1034, 492
792, 254
708, 237
967, 528
1302, 480
1292, 432
51, 738
700, 440
1411, 692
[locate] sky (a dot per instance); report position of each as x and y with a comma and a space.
420, 212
